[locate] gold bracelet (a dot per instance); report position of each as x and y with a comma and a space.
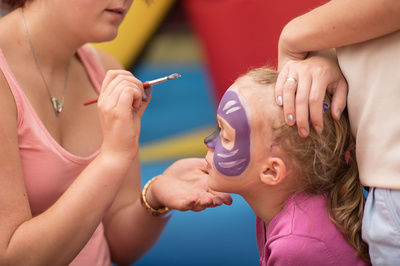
155, 212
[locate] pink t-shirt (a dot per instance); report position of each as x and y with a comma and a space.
303, 234
48, 168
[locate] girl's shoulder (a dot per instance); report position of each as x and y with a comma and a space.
303, 230
302, 214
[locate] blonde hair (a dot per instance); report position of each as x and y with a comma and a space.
327, 166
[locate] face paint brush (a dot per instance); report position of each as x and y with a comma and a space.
146, 85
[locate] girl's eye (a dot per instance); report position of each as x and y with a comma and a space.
225, 140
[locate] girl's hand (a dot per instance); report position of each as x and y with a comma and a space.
301, 88
120, 108
184, 186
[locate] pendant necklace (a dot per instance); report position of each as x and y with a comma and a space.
57, 104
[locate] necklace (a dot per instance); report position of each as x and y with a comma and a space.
57, 104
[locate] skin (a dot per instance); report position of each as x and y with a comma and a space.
232, 157
58, 29
267, 181
334, 24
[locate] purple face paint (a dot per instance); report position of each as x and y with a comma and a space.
234, 161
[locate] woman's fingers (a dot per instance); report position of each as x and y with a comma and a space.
282, 76
339, 99
302, 104
110, 76
128, 95
289, 94
301, 87
115, 82
316, 99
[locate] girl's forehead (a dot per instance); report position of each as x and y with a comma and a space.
233, 103
258, 102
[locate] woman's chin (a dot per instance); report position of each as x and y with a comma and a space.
105, 35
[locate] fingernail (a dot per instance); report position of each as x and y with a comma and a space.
279, 100
303, 132
338, 113
318, 130
290, 118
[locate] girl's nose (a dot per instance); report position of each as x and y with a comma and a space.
211, 140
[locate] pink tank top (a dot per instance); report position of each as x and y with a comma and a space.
47, 167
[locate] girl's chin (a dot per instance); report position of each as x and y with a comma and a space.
212, 182
215, 185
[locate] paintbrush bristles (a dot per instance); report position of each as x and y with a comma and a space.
159, 80
174, 76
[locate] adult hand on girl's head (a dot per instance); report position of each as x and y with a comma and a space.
301, 88
184, 186
120, 108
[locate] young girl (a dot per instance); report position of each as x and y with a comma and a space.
304, 191
69, 174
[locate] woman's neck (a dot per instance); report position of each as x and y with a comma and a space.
53, 48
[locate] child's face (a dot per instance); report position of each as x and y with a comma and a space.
234, 152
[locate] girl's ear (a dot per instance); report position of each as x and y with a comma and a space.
273, 171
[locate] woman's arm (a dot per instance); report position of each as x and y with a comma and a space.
130, 230
302, 41
57, 235
338, 23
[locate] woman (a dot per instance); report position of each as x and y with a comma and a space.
70, 180
368, 55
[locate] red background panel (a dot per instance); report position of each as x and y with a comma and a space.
239, 34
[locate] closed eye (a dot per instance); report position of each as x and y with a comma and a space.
223, 138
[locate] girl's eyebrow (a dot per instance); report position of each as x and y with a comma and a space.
221, 123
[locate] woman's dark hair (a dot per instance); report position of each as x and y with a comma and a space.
327, 165
12, 4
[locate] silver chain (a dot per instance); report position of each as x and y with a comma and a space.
57, 104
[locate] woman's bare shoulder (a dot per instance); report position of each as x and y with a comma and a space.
7, 102
108, 61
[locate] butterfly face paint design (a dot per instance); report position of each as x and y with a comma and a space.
231, 162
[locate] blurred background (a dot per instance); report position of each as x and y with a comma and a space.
210, 43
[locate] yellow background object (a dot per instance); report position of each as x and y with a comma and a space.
139, 24
180, 146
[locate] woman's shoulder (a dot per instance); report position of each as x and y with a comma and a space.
7, 102
107, 61
8, 106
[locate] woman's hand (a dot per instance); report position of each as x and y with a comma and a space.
120, 108
301, 88
184, 186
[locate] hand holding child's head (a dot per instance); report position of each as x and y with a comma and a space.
255, 146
